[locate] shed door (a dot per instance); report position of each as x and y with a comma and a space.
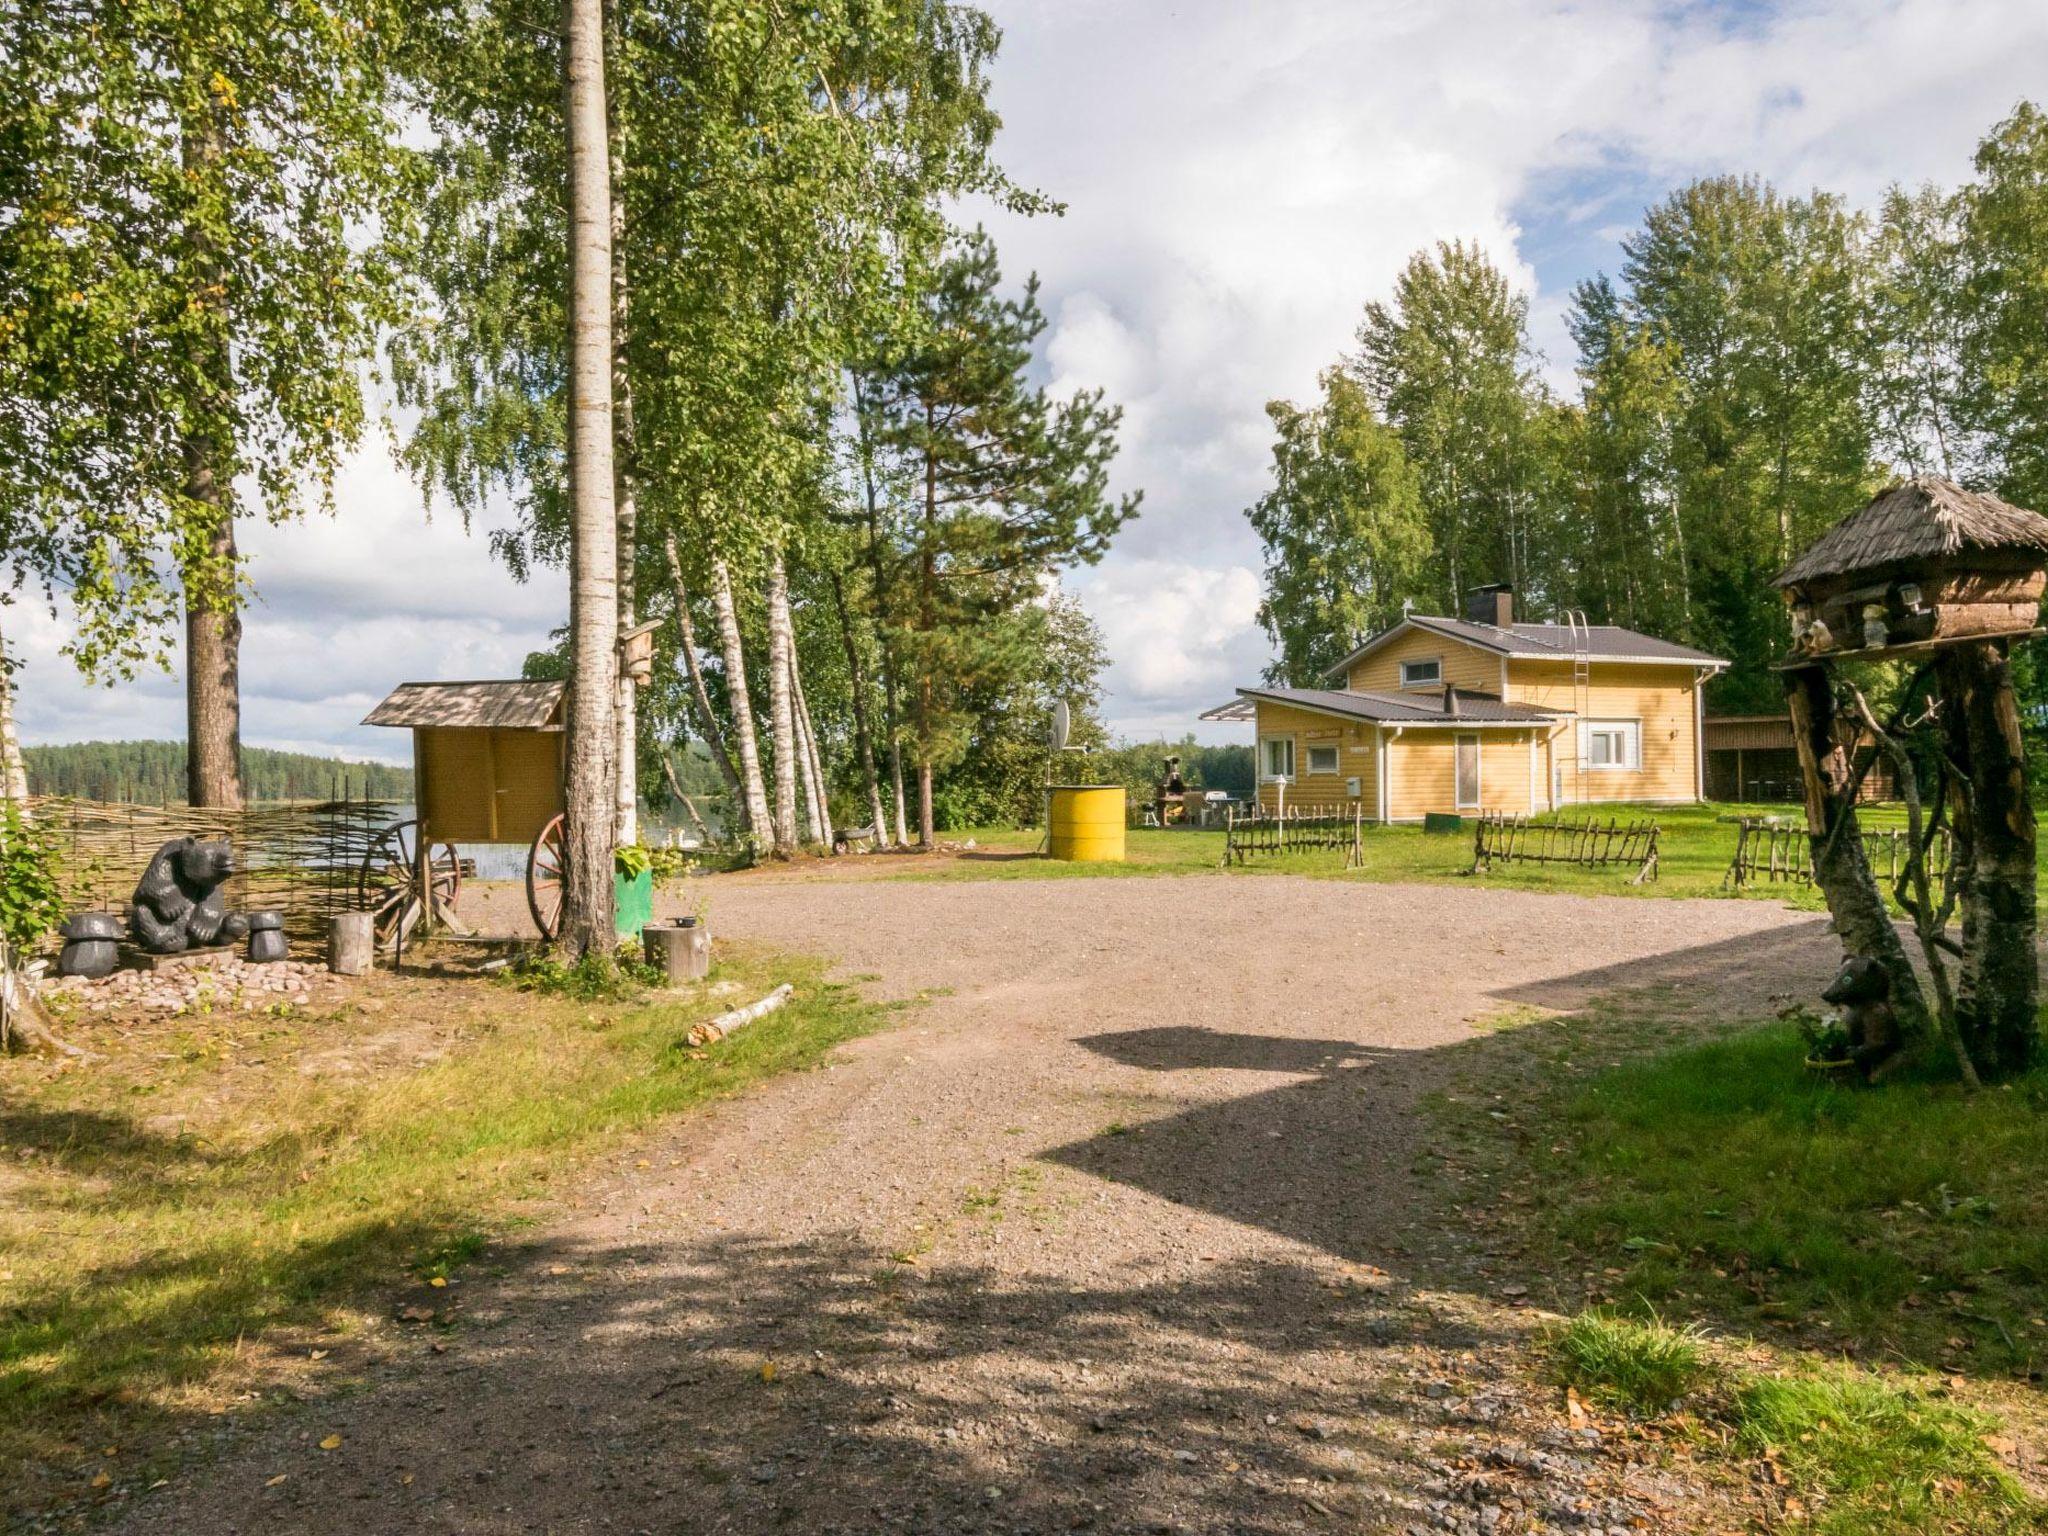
1468, 773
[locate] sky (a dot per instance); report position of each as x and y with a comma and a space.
1240, 180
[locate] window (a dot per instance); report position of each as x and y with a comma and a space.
1611, 744
1468, 773
1276, 757
1422, 674
1322, 760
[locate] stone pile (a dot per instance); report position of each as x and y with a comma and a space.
214, 985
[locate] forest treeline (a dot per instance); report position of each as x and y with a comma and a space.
153, 773
1759, 364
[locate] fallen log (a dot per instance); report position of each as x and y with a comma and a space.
733, 1018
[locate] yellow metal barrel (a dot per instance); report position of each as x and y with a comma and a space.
1088, 822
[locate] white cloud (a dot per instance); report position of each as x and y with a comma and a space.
1240, 180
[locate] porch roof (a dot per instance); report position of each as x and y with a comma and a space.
1404, 709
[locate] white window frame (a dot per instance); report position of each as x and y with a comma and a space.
1458, 801
1336, 757
1266, 775
1436, 674
1628, 732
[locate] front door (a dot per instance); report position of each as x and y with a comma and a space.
1468, 773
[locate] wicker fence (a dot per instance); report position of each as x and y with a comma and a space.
301, 859
1247, 834
1500, 838
1772, 849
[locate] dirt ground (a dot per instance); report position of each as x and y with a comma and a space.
1119, 1231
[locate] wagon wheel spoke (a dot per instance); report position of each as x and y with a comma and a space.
544, 879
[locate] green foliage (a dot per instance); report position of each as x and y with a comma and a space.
203, 204
1641, 1366
1342, 529
632, 860
31, 885
1447, 363
153, 773
592, 977
2004, 302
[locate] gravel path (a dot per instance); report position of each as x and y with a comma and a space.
1117, 1232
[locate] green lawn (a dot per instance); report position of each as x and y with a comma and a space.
1696, 845
1848, 1284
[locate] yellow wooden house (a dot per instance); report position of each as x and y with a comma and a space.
1484, 713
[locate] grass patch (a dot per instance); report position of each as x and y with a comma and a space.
1638, 1366
1909, 1219
170, 1214
1873, 1457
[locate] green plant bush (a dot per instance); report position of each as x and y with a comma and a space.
31, 885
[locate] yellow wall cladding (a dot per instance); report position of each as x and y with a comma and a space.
1466, 666
1660, 699
1356, 758
1422, 771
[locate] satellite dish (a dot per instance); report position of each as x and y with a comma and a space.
1062, 723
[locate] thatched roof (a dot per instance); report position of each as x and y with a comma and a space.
518, 705
1921, 519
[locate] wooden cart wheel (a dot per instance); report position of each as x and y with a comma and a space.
388, 884
544, 880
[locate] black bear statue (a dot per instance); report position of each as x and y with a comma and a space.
179, 903
1863, 991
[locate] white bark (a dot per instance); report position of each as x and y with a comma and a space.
707, 721
732, 1019
811, 758
13, 769
781, 719
758, 820
593, 545
626, 714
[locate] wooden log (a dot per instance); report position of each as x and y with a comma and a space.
680, 953
717, 1029
351, 943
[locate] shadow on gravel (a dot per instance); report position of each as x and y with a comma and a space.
753, 1385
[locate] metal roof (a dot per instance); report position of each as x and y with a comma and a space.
1545, 642
1398, 708
516, 704
1924, 518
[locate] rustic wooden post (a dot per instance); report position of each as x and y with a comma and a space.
1840, 867
1999, 999
351, 943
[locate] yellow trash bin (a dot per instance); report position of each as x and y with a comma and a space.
1088, 822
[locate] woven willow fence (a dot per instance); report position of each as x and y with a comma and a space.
1503, 839
1295, 832
1770, 849
301, 859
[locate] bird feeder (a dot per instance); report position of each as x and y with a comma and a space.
636, 653
1924, 564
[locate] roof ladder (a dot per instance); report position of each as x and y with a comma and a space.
1581, 634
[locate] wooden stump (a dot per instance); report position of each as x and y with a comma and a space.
680, 954
351, 943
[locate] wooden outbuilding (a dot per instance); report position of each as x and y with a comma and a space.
1754, 759
1925, 563
488, 757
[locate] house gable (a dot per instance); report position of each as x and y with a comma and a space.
1459, 662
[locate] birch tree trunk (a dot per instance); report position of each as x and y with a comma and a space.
13, 770
758, 821
707, 722
593, 546
1840, 867
807, 743
807, 780
626, 713
891, 714
781, 719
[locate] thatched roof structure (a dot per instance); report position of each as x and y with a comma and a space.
519, 704
1920, 521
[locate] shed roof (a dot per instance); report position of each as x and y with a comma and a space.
1923, 518
515, 704
1597, 642
1395, 708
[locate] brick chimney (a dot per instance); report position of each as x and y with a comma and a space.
1493, 605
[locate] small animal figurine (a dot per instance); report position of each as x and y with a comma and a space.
179, 903
1863, 991
89, 944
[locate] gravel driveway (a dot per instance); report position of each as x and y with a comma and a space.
1116, 1232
